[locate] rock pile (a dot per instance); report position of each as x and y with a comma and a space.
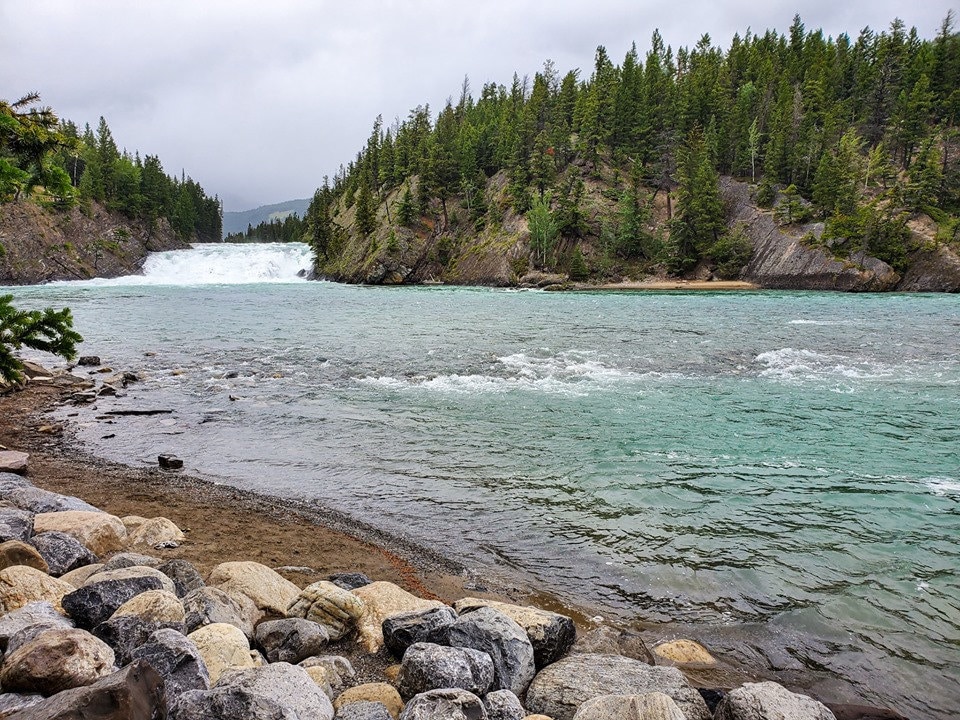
94, 626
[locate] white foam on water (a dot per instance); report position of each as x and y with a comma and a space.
218, 264
820, 322
573, 373
942, 486
792, 364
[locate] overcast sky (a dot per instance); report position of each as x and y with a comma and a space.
259, 100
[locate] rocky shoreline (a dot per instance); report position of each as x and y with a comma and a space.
134, 613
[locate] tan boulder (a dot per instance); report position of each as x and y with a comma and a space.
22, 584
156, 531
79, 576
56, 660
271, 593
17, 552
132, 522
157, 606
683, 652
321, 677
338, 610
382, 600
537, 717
101, 533
223, 647
648, 706
371, 692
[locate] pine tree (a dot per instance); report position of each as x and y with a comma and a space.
366, 220
47, 330
699, 217
406, 210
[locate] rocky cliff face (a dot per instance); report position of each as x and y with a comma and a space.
39, 245
781, 260
936, 270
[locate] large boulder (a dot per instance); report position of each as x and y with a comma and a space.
651, 706
382, 600
12, 481
159, 606
155, 533
129, 560
134, 693
128, 632
769, 701
448, 704
56, 660
177, 660
223, 647
271, 592
79, 576
40, 612
503, 705
291, 639
15, 524
20, 585
129, 573
184, 575
605, 640
17, 552
380, 693
338, 610
99, 532
13, 461
44, 501
11, 703
427, 666
279, 691
561, 688
364, 711
550, 633
431, 625
506, 643
97, 601
208, 605
62, 552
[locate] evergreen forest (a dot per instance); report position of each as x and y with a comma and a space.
62, 166
619, 168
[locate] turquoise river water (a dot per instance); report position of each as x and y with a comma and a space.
775, 473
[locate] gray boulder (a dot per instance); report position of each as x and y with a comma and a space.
427, 666
126, 633
279, 691
364, 711
492, 632
95, 602
449, 704
134, 693
769, 701
184, 575
15, 524
40, 612
337, 670
431, 626
550, 633
177, 660
350, 581
209, 605
291, 640
503, 705
652, 706
561, 688
42, 501
128, 560
62, 552
12, 481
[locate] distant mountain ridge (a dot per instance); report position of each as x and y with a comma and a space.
234, 222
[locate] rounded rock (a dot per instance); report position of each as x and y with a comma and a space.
270, 591
338, 610
427, 666
99, 532
650, 706
383, 693
62, 552
683, 652
56, 660
17, 552
159, 606
291, 639
21, 584
223, 647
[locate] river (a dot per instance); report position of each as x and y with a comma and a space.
777, 472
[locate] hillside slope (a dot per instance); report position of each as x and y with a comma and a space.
39, 245
501, 254
237, 221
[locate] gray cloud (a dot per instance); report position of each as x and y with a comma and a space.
257, 101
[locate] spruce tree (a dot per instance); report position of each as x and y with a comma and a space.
699, 218
47, 330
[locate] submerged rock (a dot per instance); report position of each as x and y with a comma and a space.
683, 652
